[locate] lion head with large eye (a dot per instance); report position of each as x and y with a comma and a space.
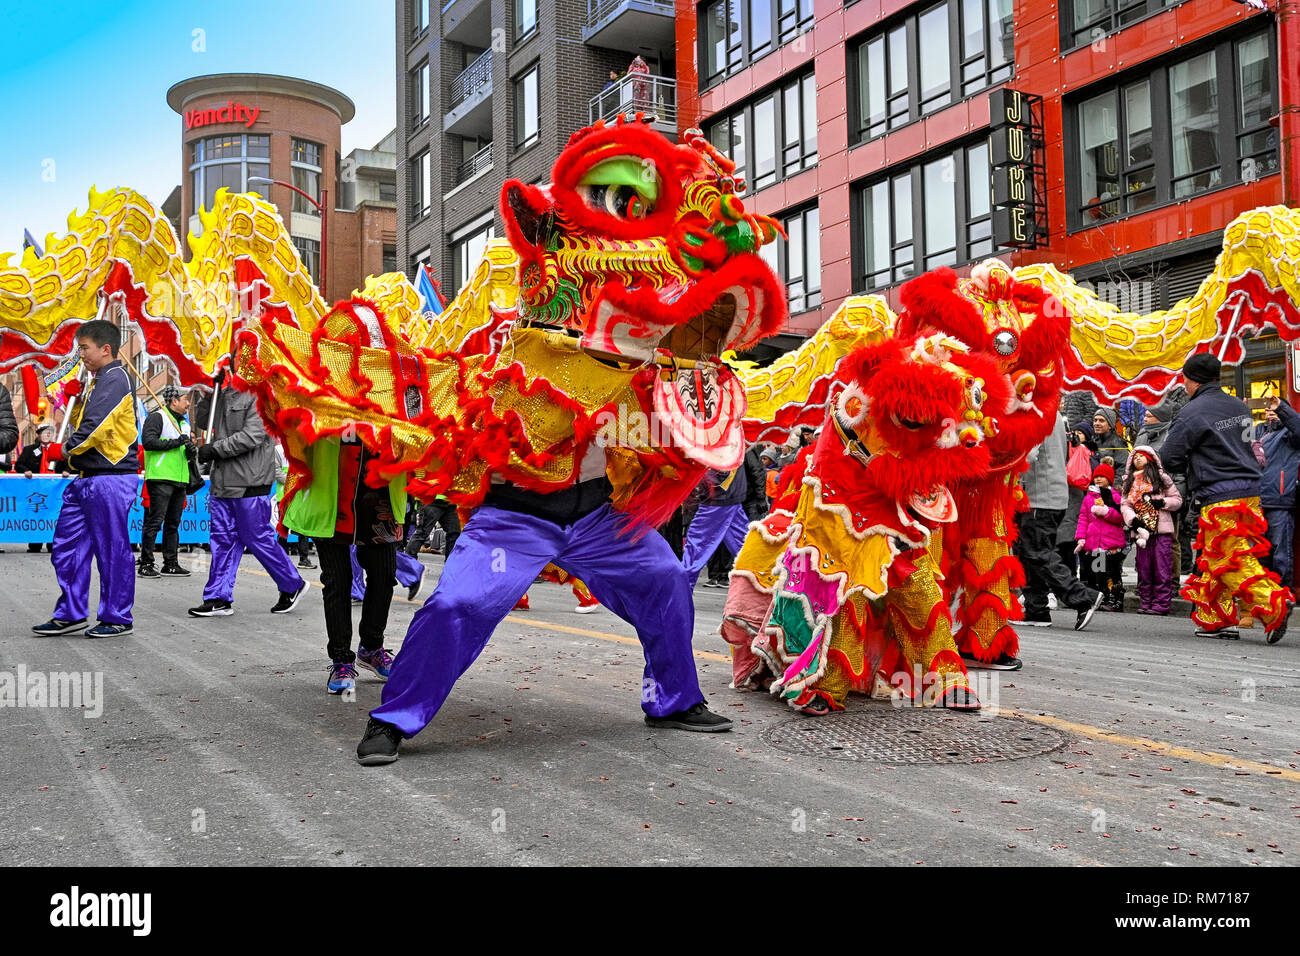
642, 246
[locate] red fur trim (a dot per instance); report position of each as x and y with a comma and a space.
930, 302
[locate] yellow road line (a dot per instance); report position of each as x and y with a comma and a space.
1207, 757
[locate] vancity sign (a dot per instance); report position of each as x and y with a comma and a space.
232, 112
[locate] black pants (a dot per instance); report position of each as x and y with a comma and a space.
166, 503
1071, 560
379, 562
721, 563
1044, 570
440, 513
1104, 572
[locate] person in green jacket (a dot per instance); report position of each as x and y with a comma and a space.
340, 509
166, 440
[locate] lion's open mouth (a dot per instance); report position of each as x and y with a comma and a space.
707, 334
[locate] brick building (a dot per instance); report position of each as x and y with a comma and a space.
489, 90
865, 127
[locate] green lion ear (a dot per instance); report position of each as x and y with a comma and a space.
632, 171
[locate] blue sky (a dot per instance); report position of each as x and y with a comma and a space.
83, 88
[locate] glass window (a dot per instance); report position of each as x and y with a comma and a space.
899, 88
308, 180
1257, 146
1099, 156
802, 260
309, 252
871, 100
1002, 40
426, 182
467, 250
388, 259
979, 221
760, 26
525, 17
418, 261
950, 195
420, 20
306, 152
935, 68
940, 183
764, 143
1139, 175
799, 126
420, 94
258, 171
259, 146
715, 38
221, 176
1194, 122
526, 109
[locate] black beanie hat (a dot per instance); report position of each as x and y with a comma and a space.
1202, 368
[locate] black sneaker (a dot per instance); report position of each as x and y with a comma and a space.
306, 564
110, 630
414, 589
57, 625
147, 571
1228, 633
698, 718
1004, 663
174, 570
288, 601
379, 745
212, 609
1279, 632
1043, 619
1085, 616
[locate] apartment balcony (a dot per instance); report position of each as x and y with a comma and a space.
478, 163
639, 93
468, 22
470, 99
634, 26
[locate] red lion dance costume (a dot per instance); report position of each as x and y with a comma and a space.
871, 610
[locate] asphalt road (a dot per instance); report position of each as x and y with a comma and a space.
218, 744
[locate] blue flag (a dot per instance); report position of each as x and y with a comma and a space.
429, 292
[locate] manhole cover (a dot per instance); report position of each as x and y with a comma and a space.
906, 735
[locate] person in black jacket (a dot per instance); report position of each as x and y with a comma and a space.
8, 424
166, 439
1210, 441
1277, 487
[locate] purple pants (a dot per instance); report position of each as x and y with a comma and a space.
1155, 568
93, 522
713, 525
409, 570
239, 523
494, 561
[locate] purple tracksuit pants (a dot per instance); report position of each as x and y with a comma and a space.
1155, 569
238, 523
409, 570
713, 525
494, 561
93, 523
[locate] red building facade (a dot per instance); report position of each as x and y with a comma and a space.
865, 128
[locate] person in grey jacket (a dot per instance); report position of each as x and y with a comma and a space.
244, 467
1047, 489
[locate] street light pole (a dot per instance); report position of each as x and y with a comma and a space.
323, 208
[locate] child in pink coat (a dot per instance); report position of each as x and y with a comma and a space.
1101, 538
1148, 498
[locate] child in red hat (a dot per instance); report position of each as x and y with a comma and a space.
1101, 538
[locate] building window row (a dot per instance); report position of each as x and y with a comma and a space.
935, 212
229, 161
797, 259
772, 137
1195, 125
928, 60
734, 33
1088, 21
